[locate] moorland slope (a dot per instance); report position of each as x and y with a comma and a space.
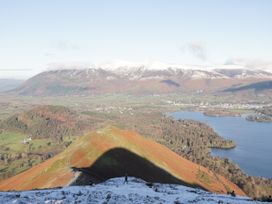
91, 157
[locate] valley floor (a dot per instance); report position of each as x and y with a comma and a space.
116, 191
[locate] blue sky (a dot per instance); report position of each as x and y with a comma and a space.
36, 35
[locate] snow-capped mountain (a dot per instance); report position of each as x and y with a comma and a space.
137, 70
116, 191
137, 79
144, 71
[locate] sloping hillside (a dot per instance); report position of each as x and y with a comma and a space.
112, 152
47, 122
259, 86
32, 136
116, 191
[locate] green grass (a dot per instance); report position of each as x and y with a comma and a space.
41, 144
11, 141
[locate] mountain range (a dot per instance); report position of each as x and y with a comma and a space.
137, 80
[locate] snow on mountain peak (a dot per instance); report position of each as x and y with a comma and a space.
134, 70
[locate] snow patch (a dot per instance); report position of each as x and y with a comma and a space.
116, 191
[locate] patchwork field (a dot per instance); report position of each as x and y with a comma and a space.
18, 153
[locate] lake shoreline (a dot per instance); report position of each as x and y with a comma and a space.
191, 131
229, 135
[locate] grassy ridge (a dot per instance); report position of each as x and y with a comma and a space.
86, 150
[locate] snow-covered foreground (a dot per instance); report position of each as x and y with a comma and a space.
116, 191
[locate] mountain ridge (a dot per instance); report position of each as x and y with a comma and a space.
139, 80
87, 149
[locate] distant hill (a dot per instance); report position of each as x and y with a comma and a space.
136, 80
47, 121
259, 86
9, 84
112, 152
243, 73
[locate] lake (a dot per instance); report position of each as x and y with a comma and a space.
253, 152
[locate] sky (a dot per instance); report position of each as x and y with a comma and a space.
38, 35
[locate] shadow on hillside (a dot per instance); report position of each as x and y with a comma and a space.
118, 162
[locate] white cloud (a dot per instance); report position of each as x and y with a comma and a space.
196, 49
250, 63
